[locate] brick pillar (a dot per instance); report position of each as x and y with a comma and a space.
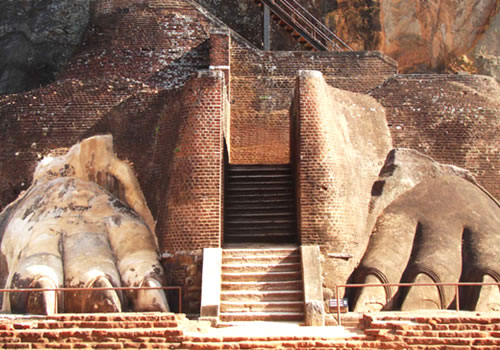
220, 53
191, 217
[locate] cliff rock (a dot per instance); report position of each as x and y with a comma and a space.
36, 39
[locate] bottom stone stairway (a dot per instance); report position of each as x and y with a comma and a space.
261, 285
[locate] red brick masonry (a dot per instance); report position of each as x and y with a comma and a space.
170, 331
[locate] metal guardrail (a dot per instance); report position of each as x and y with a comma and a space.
311, 29
443, 284
27, 290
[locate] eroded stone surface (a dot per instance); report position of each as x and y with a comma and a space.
444, 229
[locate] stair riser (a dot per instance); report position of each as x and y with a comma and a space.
260, 260
271, 317
253, 286
242, 253
260, 268
282, 307
261, 278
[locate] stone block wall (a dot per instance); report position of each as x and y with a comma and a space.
455, 119
262, 85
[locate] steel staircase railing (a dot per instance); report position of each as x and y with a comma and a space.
304, 23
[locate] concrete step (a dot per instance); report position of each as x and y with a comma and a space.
247, 268
261, 316
258, 259
269, 306
261, 276
262, 296
262, 286
260, 252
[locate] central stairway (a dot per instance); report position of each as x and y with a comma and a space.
259, 204
261, 285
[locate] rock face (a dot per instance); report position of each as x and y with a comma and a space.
36, 40
66, 230
422, 35
441, 227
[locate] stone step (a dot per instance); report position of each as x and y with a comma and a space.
262, 296
260, 252
237, 268
258, 259
269, 306
261, 316
262, 286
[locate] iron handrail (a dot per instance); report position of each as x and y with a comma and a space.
319, 24
310, 24
83, 289
444, 284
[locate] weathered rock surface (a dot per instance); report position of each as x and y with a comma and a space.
68, 231
422, 35
36, 40
441, 227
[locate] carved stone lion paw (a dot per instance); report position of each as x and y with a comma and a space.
443, 229
83, 223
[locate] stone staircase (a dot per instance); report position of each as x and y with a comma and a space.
259, 204
261, 285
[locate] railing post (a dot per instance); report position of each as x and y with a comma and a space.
339, 321
457, 297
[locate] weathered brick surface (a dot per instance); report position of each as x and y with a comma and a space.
190, 217
339, 141
262, 85
455, 119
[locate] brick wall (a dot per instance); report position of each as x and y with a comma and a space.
162, 42
340, 143
190, 137
262, 85
455, 119
173, 331
190, 215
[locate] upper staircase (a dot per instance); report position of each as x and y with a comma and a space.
259, 204
304, 26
